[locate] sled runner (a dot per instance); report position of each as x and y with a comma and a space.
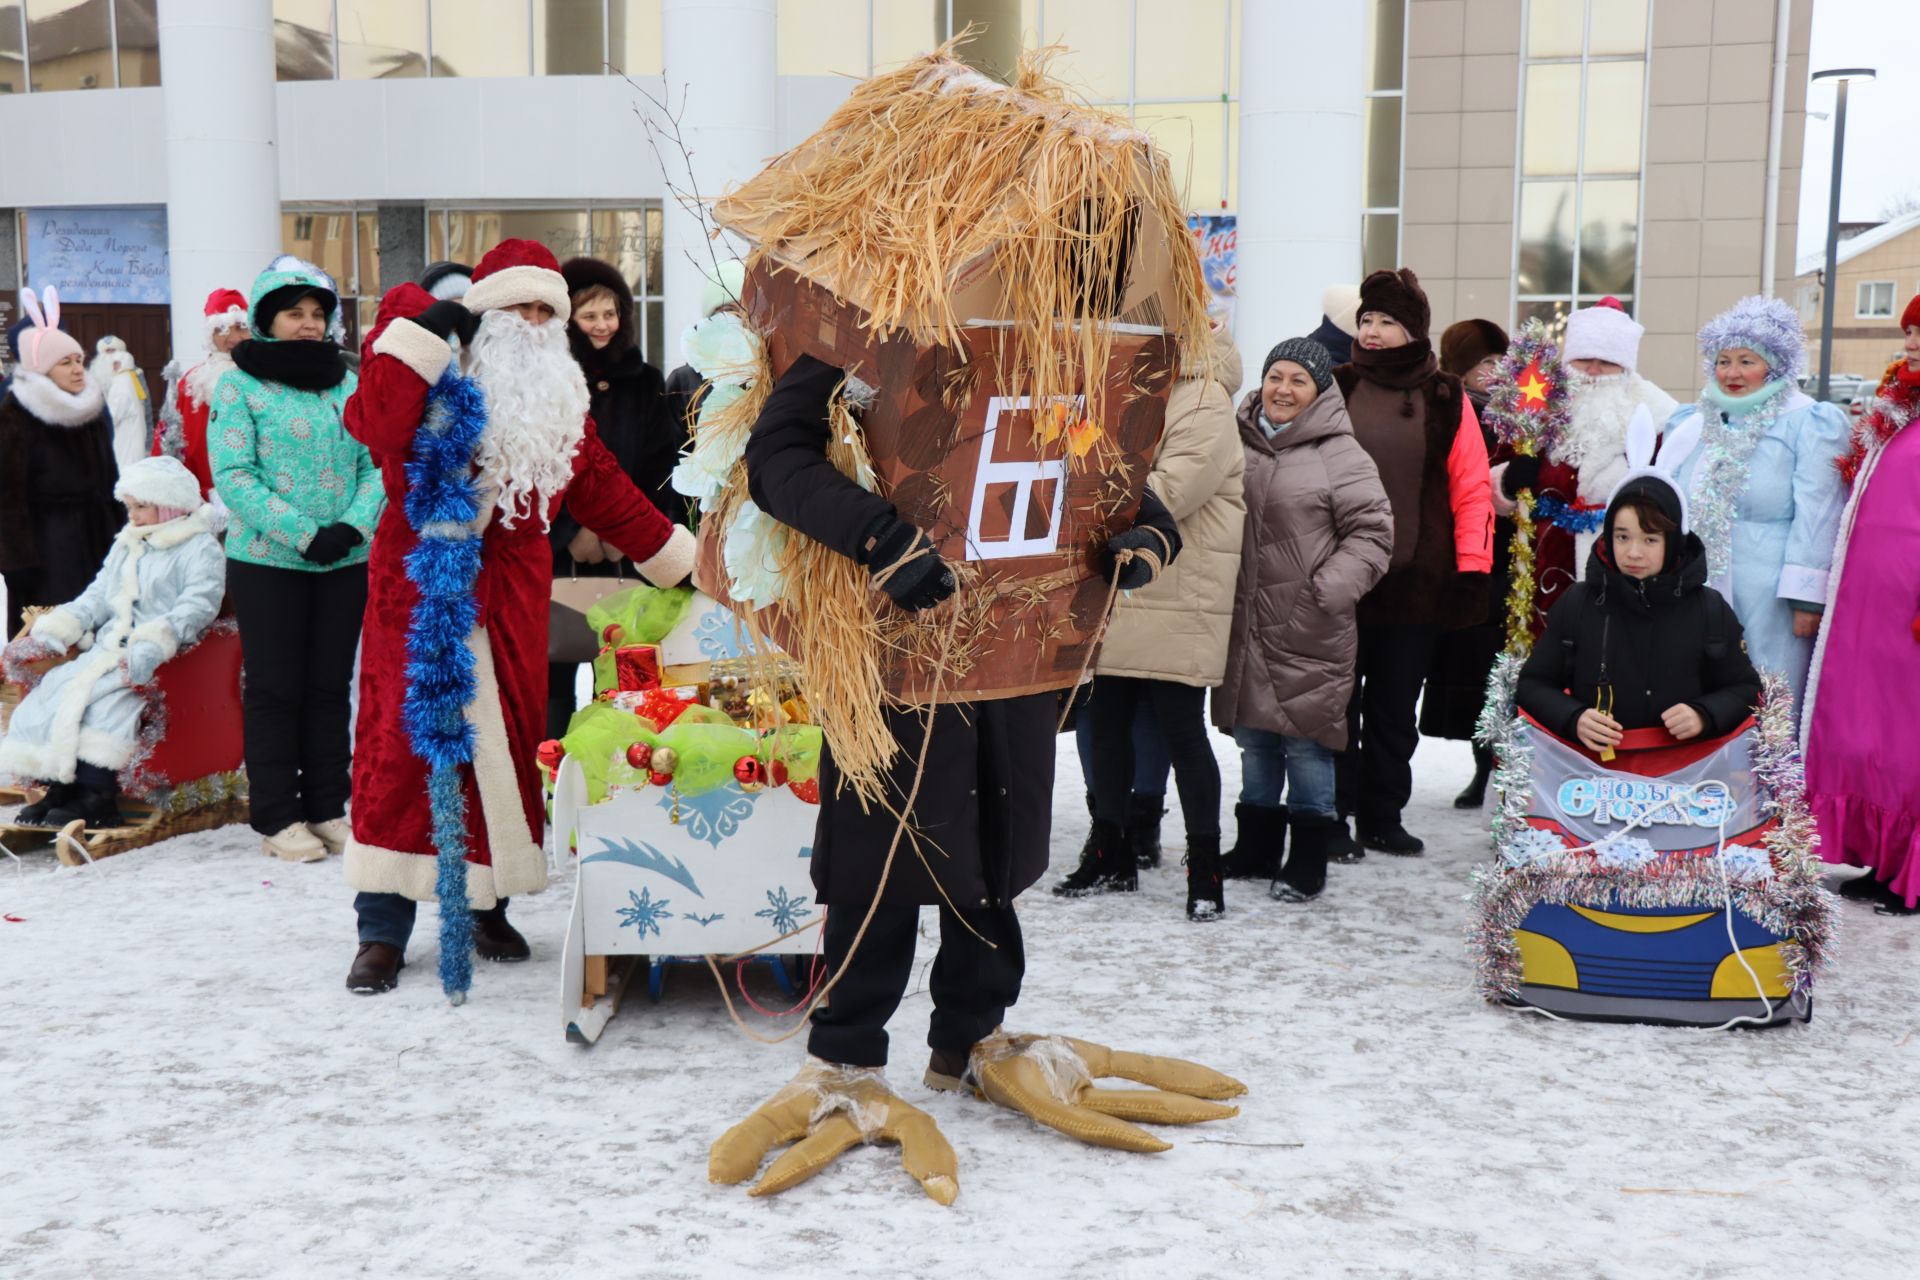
187, 775
1671, 885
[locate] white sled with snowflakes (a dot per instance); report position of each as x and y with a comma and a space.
665, 876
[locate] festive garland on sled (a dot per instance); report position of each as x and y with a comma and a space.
443, 507
1573, 518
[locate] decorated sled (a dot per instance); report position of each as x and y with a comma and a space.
673, 867
1673, 884
187, 775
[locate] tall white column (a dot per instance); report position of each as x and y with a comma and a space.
720, 58
223, 166
1302, 98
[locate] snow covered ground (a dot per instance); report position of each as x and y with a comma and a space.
187, 1090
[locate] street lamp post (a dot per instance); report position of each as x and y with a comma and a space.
1829, 282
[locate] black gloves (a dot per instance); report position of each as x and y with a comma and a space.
1154, 534
914, 584
1521, 473
448, 317
332, 543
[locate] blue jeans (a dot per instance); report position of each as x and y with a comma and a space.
388, 917
1270, 761
1151, 761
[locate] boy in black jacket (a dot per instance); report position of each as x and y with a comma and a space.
1643, 641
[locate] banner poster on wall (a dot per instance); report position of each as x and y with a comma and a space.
1216, 238
100, 255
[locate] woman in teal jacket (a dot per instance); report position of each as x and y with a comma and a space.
304, 498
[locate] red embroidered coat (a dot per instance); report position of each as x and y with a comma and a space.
392, 846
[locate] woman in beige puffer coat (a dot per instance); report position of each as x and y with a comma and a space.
1166, 646
1319, 533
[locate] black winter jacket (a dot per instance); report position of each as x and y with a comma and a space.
1658, 643
58, 515
984, 813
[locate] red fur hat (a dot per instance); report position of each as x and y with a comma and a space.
517, 271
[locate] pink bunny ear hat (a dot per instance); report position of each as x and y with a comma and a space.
1675, 449
45, 344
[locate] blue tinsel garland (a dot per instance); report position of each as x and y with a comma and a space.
1562, 516
442, 507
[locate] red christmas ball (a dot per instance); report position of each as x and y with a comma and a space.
750, 773
640, 755
550, 753
612, 634
660, 779
777, 771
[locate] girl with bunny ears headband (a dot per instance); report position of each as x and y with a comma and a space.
1644, 445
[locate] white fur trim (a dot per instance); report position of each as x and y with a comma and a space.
159, 633
53, 760
1603, 333
670, 565
451, 287
105, 750
221, 321
48, 403
58, 626
519, 864
1800, 582
421, 350
511, 286
205, 376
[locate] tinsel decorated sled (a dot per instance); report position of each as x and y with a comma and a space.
1675, 884
187, 774
689, 807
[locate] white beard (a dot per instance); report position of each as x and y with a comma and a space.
205, 376
1595, 443
536, 412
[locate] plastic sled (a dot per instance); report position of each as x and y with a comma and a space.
189, 779
1654, 887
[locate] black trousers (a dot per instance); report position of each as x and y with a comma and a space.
298, 633
1181, 710
560, 696
972, 983
1373, 778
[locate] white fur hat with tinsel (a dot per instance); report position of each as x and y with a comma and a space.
1604, 331
159, 482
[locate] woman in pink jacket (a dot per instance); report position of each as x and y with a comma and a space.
1416, 424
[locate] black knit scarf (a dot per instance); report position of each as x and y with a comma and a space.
304, 366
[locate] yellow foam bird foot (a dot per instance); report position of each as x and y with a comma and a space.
822, 1111
1050, 1079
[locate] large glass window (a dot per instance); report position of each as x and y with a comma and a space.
136, 40
628, 237
1582, 124
70, 44
303, 39
381, 39
13, 67
1381, 140
569, 37
633, 37
823, 37
482, 37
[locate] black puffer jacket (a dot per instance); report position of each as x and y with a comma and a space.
984, 812
1658, 642
58, 514
630, 408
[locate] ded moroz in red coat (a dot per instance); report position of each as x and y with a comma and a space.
392, 846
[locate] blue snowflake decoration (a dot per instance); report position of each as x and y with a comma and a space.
645, 914
785, 912
715, 815
1530, 845
716, 635
1627, 854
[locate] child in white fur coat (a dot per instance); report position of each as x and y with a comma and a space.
158, 591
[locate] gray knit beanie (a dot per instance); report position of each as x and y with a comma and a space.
1306, 353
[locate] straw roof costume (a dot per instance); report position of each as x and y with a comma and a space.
921, 467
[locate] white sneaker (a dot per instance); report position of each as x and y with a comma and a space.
333, 833
294, 843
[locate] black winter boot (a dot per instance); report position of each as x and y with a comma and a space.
1343, 848
1143, 828
496, 940
1304, 874
96, 806
1260, 839
59, 796
1106, 865
1475, 794
1204, 900
1389, 836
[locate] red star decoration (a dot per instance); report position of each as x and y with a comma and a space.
1533, 386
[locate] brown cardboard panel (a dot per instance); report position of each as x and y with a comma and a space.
992, 483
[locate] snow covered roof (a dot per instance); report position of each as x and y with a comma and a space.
1892, 229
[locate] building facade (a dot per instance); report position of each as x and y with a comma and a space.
1524, 156
1879, 273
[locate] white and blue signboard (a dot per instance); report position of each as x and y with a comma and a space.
100, 255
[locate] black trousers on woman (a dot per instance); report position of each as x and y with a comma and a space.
1373, 777
1181, 709
298, 633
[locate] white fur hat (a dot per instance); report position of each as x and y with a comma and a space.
1604, 331
1340, 303
160, 482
